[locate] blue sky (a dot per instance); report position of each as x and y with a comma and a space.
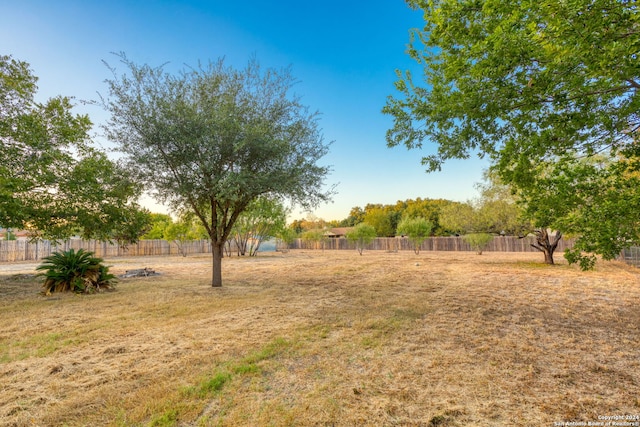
344, 53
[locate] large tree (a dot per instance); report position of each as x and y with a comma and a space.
596, 198
212, 139
527, 83
52, 181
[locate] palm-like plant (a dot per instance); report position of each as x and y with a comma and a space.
78, 272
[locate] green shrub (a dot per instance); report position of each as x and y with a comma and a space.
417, 230
362, 234
478, 241
73, 271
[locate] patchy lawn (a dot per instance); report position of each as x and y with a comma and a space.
325, 338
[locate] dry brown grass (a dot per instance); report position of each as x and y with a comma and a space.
326, 338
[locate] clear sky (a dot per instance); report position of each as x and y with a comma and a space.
344, 53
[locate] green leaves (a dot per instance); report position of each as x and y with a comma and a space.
508, 77
52, 181
235, 134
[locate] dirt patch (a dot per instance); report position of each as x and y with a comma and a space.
326, 338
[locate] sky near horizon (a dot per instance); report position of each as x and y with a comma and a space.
344, 54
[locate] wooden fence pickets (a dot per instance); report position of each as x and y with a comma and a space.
22, 250
449, 243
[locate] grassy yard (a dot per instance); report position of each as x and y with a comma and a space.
326, 338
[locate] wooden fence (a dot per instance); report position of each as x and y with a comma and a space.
22, 250
498, 244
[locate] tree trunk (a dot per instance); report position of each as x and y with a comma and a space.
216, 271
546, 244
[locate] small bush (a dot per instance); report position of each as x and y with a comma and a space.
417, 230
478, 241
71, 271
362, 234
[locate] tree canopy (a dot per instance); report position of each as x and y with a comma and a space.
52, 181
531, 85
212, 139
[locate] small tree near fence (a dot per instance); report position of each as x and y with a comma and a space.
263, 219
184, 231
478, 241
417, 230
286, 237
362, 234
316, 236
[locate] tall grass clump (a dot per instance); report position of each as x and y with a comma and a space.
71, 271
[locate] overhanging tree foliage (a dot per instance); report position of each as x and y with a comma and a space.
213, 139
52, 182
527, 83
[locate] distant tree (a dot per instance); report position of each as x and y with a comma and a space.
297, 226
385, 218
362, 234
356, 216
484, 216
131, 224
461, 218
213, 139
417, 230
478, 241
263, 219
52, 181
287, 236
158, 226
429, 209
311, 222
185, 230
379, 218
502, 207
316, 236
